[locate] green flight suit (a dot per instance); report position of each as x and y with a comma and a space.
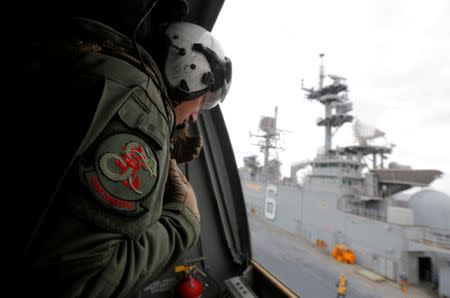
110, 230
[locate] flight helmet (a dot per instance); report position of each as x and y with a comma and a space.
195, 65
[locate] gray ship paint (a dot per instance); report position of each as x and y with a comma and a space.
343, 200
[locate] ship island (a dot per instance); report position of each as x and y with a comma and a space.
351, 203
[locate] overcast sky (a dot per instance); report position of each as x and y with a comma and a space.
394, 54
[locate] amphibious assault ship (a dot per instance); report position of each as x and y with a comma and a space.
345, 201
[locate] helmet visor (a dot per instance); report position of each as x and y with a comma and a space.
219, 89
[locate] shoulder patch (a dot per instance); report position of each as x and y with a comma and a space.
125, 172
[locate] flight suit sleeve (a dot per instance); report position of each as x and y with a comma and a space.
134, 263
112, 232
97, 263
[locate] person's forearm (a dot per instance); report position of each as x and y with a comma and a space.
93, 263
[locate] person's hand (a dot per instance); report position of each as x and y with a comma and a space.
178, 189
185, 148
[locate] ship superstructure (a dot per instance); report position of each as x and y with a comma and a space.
269, 135
351, 192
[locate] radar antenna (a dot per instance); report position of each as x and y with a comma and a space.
334, 98
270, 136
364, 133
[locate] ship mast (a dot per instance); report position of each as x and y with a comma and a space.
327, 108
334, 98
270, 136
321, 72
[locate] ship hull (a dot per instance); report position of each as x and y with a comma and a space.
314, 213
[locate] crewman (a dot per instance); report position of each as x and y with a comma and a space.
341, 286
404, 282
98, 187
